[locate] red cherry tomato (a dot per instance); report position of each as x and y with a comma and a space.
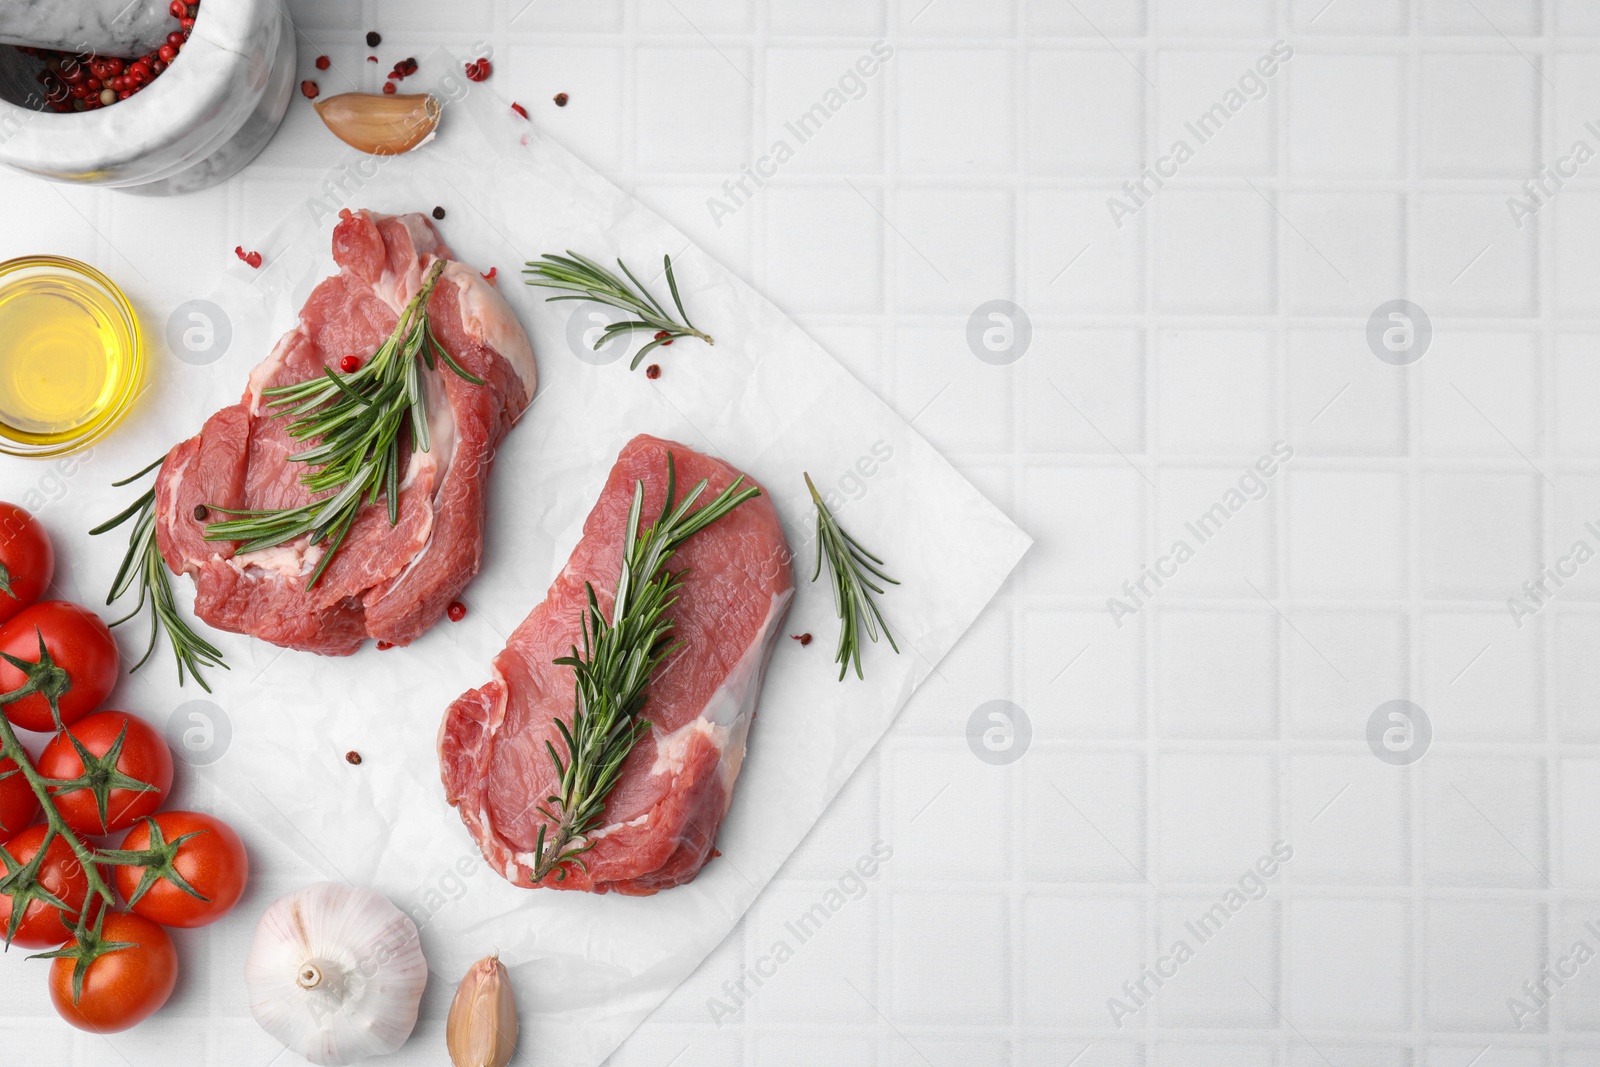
27, 560
212, 862
121, 988
144, 757
43, 924
78, 641
18, 805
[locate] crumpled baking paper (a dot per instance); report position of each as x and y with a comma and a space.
587, 969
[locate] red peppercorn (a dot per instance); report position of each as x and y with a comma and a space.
168, 53
188, 27
372, 59
519, 109
804, 639
457, 611
309, 90
653, 371
561, 100
323, 62
492, 272
175, 38
178, 9
384, 646
157, 67
388, 87
350, 364
252, 258
479, 70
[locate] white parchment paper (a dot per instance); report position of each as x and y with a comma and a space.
767, 398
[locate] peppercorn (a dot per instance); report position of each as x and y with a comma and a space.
373, 39
323, 62
200, 512
309, 89
457, 611
438, 212
653, 371
350, 364
353, 758
561, 100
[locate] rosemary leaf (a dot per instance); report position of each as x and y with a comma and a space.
356, 421
851, 570
618, 658
581, 278
143, 566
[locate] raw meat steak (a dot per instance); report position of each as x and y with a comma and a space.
387, 582
675, 787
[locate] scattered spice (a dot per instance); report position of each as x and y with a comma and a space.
519, 109
561, 100
438, 212
384, 646
479, 71
388, 88
252, 258
353, 758
309, 89
804, 639
200, 512
323, 62
492, 272
663, 338
374, 39
372, 59
653, 371
350, 364
456, 611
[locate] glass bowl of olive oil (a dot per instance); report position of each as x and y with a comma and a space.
71, 359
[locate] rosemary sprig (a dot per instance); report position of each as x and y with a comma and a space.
851, 570
357, 420
584, 279
612, 670
142, 564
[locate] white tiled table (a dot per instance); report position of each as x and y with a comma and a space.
1230, 711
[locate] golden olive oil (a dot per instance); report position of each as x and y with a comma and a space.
65, 354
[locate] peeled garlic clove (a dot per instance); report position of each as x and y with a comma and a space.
378, 124
482, 1028
336, 973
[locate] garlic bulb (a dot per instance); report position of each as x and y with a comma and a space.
379, 124
482, 1028
336, 973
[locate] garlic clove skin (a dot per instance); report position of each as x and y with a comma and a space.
378, 124
336, 973
481, 1030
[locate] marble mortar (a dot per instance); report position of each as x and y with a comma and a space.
196, 124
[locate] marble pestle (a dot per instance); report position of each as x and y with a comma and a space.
110, 27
